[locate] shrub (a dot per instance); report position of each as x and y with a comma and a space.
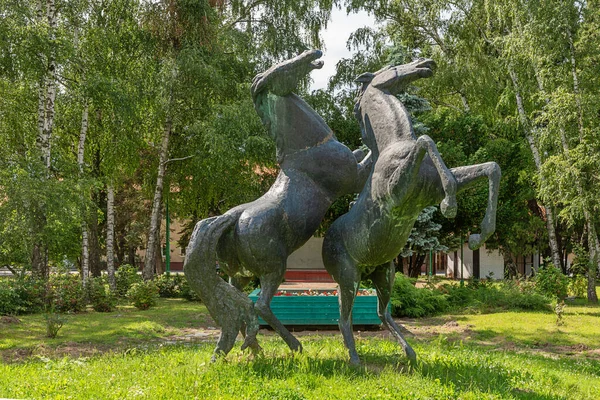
54, 321
409, 301
125, 277
10, 303
66, 293
100, 296
32, 292
578, 286
551, 282
169, 286
187, 292
506, 295
143, 295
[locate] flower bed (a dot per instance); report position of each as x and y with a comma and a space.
319, 307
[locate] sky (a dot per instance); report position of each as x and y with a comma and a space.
335, 37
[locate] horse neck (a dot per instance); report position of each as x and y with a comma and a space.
293, 123
385, 119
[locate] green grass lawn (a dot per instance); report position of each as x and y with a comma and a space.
164, 353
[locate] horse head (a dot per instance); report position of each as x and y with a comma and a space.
395, 79
392, 119
281, 79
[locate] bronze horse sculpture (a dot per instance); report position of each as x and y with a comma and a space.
256, 238
408, 175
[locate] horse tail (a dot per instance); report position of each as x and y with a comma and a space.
228, 306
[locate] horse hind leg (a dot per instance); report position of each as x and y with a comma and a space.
383, 279
448, 205
248, 332
469, 175
269, 284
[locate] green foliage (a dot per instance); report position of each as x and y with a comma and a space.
66, 293
170, 286
54, 322
481, 296
143, 295
125, 276
10, 302
578, 286
424, 236
21, 295
409, 301
551, 282
187, 292
581, 263
100, 296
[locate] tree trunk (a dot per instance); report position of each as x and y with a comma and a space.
110, 231
50, 89
94, 243
39, 266
85, 255
150, 261
416, 261
538, 164
593, 242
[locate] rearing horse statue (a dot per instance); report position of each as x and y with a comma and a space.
256, 238
408, 175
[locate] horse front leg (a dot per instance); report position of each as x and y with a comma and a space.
467, 176
383, 279
448, 206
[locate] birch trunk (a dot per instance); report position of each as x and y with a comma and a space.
593, 242
110, 234
556, 260
150, 261
46, 97
50, 87
85, 254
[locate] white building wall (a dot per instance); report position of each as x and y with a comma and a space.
308, 256
491, 262
467, 267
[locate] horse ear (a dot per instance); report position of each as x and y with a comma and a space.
365, 77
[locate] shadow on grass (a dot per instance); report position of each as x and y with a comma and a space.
466, 376
463, 376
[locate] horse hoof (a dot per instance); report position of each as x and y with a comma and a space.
474, 241
355, 361
448, 207
411, 355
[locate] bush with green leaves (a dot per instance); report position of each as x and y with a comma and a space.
101, 297
551, 282
10, 303
578, 286
125, 276
505, 295
187, 292
409, 301
169, 286
21, 295
66, 293
143, 295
